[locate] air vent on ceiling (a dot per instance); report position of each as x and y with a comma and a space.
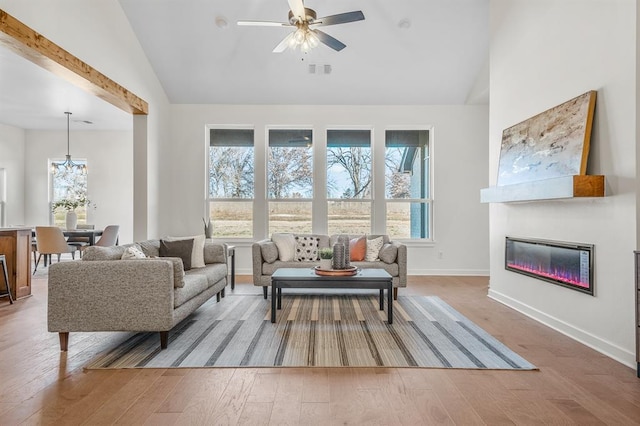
320, 69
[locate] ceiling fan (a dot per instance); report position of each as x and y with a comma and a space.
305, 21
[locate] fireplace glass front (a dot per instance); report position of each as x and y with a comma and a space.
566, 264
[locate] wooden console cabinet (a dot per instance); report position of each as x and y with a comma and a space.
15, 244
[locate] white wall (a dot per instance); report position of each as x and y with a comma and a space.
543, 53
99, 33
460, 170
12, 155
109, 156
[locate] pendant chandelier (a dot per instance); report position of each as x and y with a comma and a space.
67, 164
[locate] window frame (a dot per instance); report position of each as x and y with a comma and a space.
51, 191
256, 163
369, 200
429, 200
268, 198
320, 201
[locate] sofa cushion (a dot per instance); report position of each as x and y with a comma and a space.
151, 248
213, 272
194, 284
197, 252
306, 249
286, 244
373, 249
269, 251
103, 253
181, 249
388, 253
358, 248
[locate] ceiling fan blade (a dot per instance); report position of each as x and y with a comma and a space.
333, 43
297, 8
341, 18
263, 24
282, 46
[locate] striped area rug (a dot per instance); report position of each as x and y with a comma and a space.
321, 331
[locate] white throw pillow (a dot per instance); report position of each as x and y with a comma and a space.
307, 249
373, 248
133, 252
197, 253
286, 244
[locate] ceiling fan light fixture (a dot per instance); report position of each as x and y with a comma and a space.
313, 39
305, 23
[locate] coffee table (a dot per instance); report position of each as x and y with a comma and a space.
307, 278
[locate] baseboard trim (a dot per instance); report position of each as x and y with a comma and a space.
451, 272
594, 342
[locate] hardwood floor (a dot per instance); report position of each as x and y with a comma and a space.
575, 385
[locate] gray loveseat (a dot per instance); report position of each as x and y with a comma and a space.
103, 293
266, 260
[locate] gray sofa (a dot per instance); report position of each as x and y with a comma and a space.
103, 293
266, 260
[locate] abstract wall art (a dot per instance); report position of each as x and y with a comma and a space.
552, 144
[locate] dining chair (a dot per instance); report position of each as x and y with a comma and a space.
109, 236
80, 242
50, 240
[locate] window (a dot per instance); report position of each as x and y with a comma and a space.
408, 200
68, 184
349, 181
294, 180
290, 180
231, 182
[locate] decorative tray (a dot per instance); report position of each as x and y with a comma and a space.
352, 270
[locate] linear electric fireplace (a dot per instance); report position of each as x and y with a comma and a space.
567, 264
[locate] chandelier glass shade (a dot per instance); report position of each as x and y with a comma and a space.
68, 165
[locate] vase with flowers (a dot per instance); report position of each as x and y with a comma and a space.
69, 205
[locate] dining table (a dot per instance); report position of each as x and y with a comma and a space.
91, 234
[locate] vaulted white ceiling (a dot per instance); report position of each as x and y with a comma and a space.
405, 52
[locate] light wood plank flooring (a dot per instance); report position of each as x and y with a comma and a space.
575, 385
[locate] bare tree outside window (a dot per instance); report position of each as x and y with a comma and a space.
354, 167
290, 173
231, 172
349, 181
290, 180
231, 182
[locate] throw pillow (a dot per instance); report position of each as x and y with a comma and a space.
358, 248
150, 247
133, 252
388, 253
373, 249
286, 244
197, 253
307, 249
269, 252
180, 248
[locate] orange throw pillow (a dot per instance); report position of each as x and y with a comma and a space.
358, 248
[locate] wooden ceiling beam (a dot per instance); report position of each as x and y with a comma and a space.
33, 46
